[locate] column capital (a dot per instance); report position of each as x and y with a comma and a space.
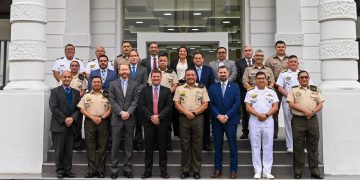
27, 11
337, 9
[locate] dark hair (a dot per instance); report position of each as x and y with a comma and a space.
134, 51
126, 42
223, 67
103, 56
190, 69
259, 74
154, 43
187, 52
221, 48
67, 45
198, 52
292, 56
75, 61
303, 71
279, 42
96, 77
155, 71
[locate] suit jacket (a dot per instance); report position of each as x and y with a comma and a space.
147, 64
141, 76
111, 75
207, 76
57, 103
120, 103
240, 67
230, 64
227, 105
165, 104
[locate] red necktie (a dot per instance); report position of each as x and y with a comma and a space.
154, 63
155, 101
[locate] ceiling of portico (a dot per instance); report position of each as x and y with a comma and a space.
5, 9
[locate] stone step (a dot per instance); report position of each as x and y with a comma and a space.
244, 157
244, 171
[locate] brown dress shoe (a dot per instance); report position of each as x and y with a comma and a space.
216, 174
233, 175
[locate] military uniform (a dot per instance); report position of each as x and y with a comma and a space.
287, 79
94, 65
168, 78
250, 72
78, 82
96, 135
63, 64
305, 130
261, 132
191, 131
120, 59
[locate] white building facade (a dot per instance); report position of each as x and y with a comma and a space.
321, 33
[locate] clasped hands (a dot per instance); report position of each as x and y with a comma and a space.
222, 118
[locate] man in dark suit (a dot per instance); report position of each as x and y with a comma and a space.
62, 102
225, 103
152, 62
155, 103
206, 77
106, 74
123, 96
241, 64
139, 74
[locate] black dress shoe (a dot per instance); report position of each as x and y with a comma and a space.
60, 175
146, 175
165, 175
275, 136
233, 175
184, 175
297, 176
197, 175
69, 175
128, 174
101, 175
216, 174
114, 176
89, 175
317, 176
206, 147
244, 136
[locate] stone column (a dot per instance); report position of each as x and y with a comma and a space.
340, 115
27, 50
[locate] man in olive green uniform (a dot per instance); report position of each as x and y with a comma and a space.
191, 100
305, 100
123, 58
249, 80
96, 108
278, 63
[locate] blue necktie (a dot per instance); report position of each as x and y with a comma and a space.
199, 73
133, 71
68, 101
223, 88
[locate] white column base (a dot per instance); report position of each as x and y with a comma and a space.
24, 130
340, 127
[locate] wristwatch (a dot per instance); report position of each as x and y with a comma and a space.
193, 113
266, 115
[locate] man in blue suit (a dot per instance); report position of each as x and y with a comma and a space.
205, 76
225, 117
106, 74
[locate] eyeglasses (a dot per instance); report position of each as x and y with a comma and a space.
74, 65
304, 77
222, 52
70, 49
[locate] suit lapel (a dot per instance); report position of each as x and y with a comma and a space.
150, 94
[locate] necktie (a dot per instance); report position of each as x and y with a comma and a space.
223, 88
103, 75
154, 63
155, 101
133, 72
124, 88
68, 101
249, 62
199, 73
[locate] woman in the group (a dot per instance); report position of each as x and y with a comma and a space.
182, 63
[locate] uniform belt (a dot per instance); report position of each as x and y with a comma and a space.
303, 116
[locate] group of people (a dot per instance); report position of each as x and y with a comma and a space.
139, 103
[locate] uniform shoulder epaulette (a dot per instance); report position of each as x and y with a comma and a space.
169, 70
120, 55
250, 88
294, 86
180, 84
91, 60
59, 58
284, 70
313, 88
105, 93
270, 88
78, 59
81, 76
201, 85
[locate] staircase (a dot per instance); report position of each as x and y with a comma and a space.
282, 164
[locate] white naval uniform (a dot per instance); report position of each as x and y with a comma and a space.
94, 65
62, 64
287, 79
261, 132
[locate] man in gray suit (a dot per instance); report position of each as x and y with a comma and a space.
123, 96
62, 102
221, 54
139, 74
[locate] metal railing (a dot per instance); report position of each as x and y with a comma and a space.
4, 65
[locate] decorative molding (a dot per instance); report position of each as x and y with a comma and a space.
28, 12
344, 49
27, 51
77, 39
290, 39
337, 10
